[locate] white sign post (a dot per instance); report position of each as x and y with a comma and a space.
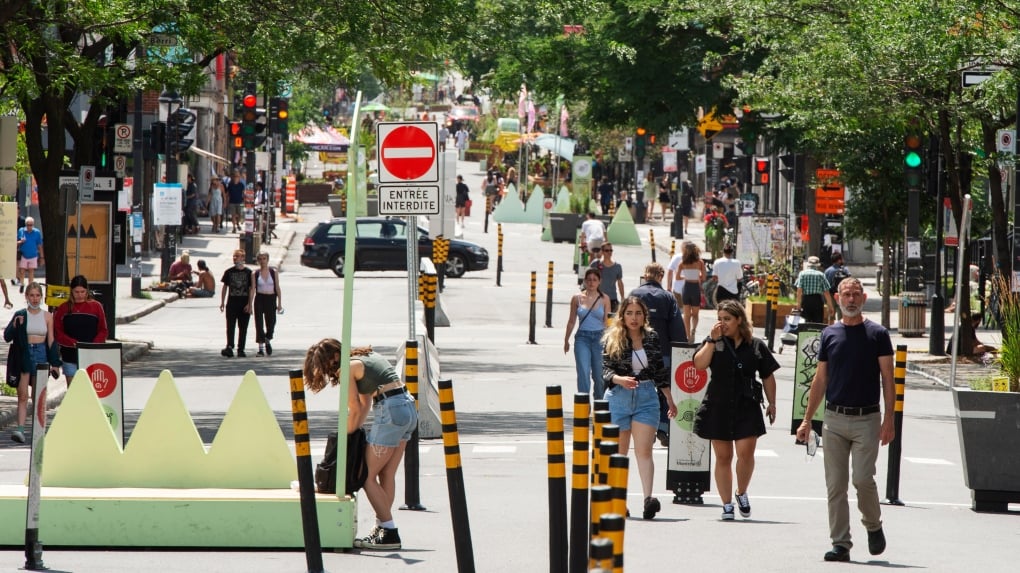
87, 182
101, 363
1006, 141
122, 136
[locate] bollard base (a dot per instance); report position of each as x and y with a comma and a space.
414, 507
896, 501
33, 551
688, 493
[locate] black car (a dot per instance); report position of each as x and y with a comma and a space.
382, 246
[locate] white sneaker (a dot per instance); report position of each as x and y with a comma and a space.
743, 504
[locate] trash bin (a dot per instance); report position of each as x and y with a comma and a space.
482, 165
913, 306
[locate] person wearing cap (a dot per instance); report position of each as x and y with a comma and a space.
813, 294
80, 319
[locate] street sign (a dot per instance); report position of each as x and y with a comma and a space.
409, 199
120, 164
160, 40
87, 182
101, 183
122, 135
975, 77
1006, 141
407, 152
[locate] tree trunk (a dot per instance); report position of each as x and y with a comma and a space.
1000, 224
886, 274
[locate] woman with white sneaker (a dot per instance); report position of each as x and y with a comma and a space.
731, 415
30, 331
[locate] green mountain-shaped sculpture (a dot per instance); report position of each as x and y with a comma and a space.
622, 230
533, 210
164, 449
510, 210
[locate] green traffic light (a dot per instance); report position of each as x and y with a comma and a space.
912, 159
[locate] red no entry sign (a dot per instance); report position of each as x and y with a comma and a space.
407, 152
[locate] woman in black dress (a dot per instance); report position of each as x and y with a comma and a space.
730, 415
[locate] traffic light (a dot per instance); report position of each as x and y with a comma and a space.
762, 170
282, 115
261, 127
913, 160
182, 125
249, 115
157, 137
236, 139
640, 143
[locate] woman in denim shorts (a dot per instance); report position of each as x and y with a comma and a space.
376, 387
634, 371
31, 331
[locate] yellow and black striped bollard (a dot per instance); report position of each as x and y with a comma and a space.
601, 418
579, 485
534, 309
601, 550
499, 255
455, 480
672, 251
892, 482
430, 305
549, 296
771, 306
306, 479
611, 527
488, 209
557, 460
651, 241
412, 464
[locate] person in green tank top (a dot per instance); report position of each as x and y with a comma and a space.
374, 386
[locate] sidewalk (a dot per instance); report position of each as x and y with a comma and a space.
217, 251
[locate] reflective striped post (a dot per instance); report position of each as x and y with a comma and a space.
455, 480
430, 305
601, 555
499, 254
488, 209
892, 481
601, 418
611, 527
306, 479
548, 296
412, 463
557, 460
601, 503
651, 240
609, 445
672, 250
534, 310
579, 486
771, 305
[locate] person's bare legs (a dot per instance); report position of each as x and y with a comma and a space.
723, 469
377, 458
23, 394
644, 437
691, 320
745, 462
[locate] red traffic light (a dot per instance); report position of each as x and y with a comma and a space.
762, 170
761, 165
249, 101
235, 128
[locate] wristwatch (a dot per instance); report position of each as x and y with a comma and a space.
709, 340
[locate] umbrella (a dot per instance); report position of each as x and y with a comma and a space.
372, 106
562, 146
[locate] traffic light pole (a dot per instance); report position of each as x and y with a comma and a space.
170, 233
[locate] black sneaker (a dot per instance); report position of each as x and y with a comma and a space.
380, 538
743, 504
876, 541
269, 349
18, 436
652, 506
227, 352
260, 353
241, 354
663, 438
838, 553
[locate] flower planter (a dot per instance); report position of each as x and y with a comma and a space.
309, 193
756, 313
563, 226
989, 427
337, 205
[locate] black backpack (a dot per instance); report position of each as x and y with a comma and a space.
357, 470
837, 277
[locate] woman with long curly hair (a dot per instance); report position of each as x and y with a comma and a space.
374, 384
634, 372
731, 414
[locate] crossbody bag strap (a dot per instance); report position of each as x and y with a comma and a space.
598, 301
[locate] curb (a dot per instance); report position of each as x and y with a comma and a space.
145, 310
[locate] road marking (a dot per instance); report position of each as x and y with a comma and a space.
765, 454
494, 449
929, 461
978, 414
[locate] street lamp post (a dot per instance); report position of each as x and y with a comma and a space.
171, 98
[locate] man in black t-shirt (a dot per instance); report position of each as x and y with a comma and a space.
234, 300
855, 369
235, 200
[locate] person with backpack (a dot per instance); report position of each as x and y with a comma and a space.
836, 272
374, 387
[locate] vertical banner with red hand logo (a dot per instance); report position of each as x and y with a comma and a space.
102, 363
689, 458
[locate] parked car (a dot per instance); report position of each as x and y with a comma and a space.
459, 114
382, 246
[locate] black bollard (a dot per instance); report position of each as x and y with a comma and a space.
557, 460
892, 482
412, 460
534, 310
306, 480
455, 480
937, 335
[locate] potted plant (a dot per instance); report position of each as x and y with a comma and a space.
563, 226
989, 421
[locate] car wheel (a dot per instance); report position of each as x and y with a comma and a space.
455, 266
336, 264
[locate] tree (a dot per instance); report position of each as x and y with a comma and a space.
60, 53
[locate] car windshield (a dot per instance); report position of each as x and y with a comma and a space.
382, 229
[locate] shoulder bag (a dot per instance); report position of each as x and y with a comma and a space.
753, 389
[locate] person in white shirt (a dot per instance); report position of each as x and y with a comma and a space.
729, 272
675, 280
594, 232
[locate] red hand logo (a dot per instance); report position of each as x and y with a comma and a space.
689, 379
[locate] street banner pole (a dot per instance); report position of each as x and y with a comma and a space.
33, 548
